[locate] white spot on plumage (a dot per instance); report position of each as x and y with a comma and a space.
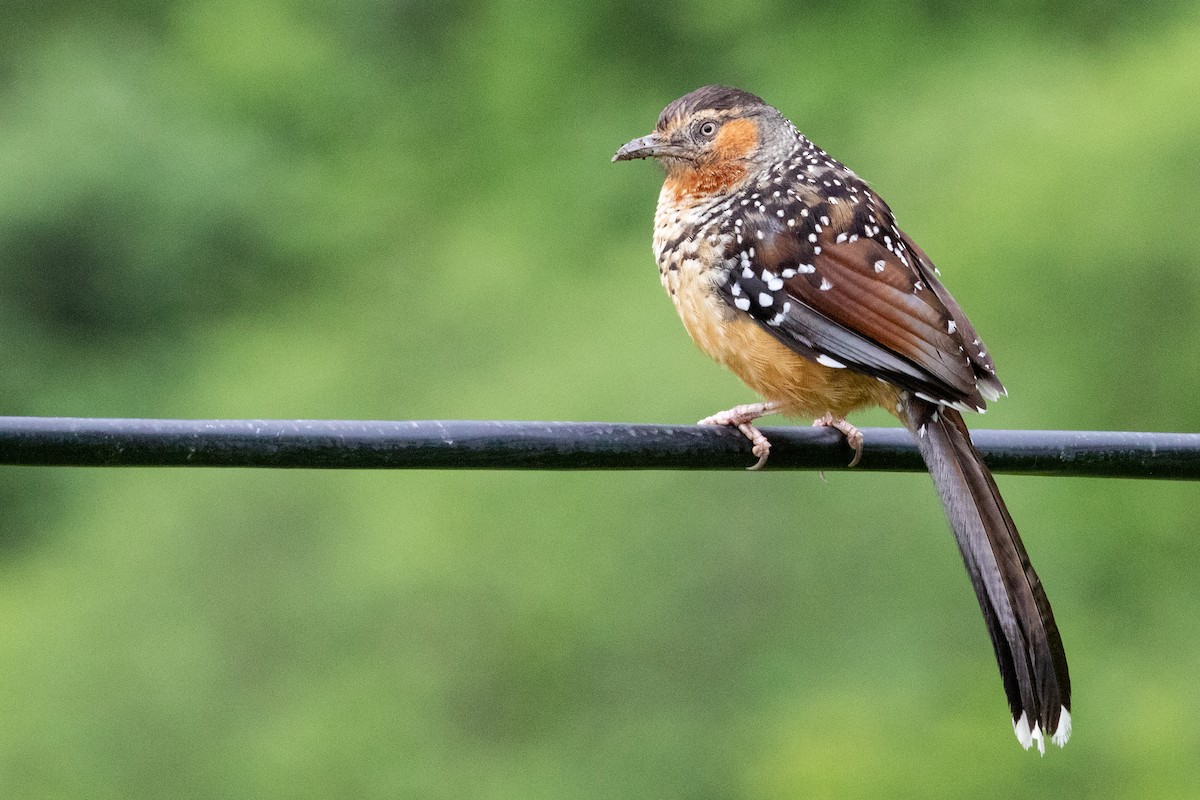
765, 299
825, 285
775, 284
736, 290
812, 237
841, 237
830, 362
743, 303
787, 273
951, 326
879, 265
807, 269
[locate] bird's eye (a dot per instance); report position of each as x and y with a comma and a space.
708, 129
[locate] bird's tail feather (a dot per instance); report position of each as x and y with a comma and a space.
1033, 664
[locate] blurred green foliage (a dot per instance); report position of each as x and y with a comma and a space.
369, 209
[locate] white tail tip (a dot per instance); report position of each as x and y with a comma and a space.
1021, 728
1028, 736
1064, 728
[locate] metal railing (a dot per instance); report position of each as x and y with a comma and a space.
463, 444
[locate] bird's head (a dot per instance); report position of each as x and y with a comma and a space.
713, 139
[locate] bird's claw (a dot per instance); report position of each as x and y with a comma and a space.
853, 435
740, 417
760, 445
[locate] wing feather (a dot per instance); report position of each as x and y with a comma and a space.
868, 300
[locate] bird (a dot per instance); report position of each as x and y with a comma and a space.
789, 270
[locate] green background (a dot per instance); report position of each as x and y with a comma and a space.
404, 210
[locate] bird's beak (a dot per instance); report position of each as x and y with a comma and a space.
651, 146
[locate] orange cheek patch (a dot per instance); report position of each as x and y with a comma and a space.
737, 138
723, 166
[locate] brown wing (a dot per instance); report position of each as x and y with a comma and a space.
976, 351
855, 295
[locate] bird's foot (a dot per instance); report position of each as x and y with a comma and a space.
853, 435
740, 417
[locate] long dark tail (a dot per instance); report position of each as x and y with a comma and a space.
1033, 664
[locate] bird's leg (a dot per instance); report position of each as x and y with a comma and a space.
740, 417
853, 435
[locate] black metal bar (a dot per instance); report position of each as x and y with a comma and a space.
462, 444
